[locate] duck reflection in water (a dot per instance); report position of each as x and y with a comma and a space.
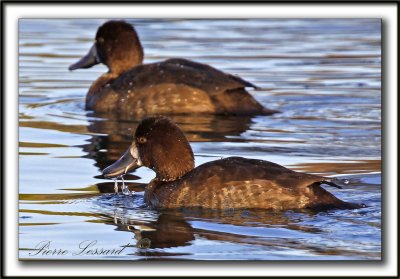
180, 228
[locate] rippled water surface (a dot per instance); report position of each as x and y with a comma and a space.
323, 75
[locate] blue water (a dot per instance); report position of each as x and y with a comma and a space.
323, 74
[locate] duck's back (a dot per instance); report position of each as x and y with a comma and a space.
237, 182
180, 71
176, 86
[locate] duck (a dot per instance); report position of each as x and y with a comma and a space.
228, 183
174, 86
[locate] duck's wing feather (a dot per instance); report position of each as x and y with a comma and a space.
179, 71
243, 169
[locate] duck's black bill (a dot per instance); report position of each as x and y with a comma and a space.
125, 164
87, 61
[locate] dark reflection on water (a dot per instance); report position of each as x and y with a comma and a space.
197, 129
324, 77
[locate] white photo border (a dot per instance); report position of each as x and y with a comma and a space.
14, 11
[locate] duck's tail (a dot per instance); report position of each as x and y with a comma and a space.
327, 200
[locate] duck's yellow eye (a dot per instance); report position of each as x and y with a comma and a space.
142, 140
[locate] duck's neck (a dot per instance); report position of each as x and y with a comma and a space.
124, 61
174, 169
119, 69
173, 164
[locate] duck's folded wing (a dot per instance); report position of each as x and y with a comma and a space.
244, 169
180, 71
224, 78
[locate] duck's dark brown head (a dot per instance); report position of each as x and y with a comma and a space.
158, 144
116, 45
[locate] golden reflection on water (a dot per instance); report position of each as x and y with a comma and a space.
364, 166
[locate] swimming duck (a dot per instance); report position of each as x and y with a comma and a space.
173, 86
233, 182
